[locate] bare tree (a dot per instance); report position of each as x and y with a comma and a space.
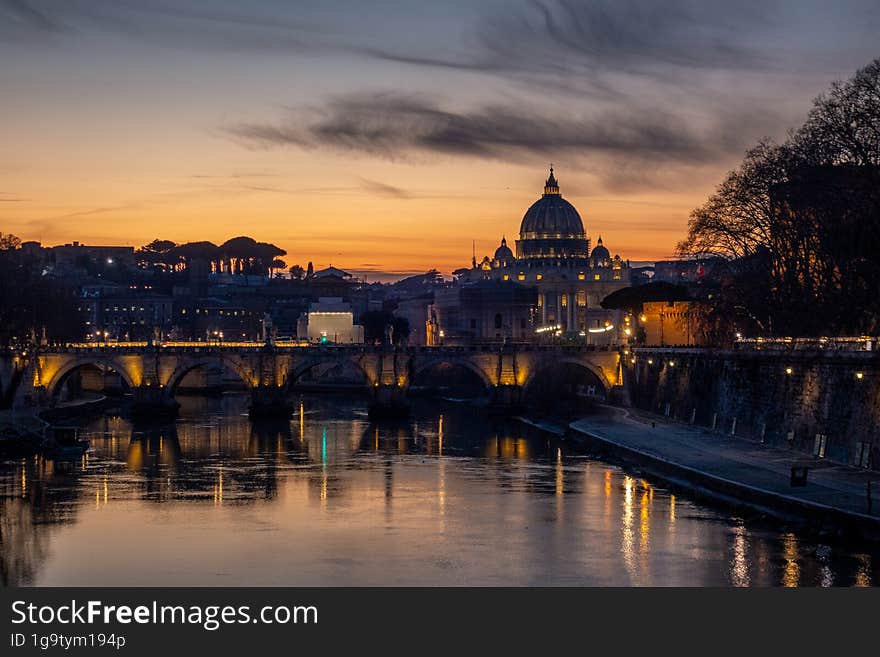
811, 206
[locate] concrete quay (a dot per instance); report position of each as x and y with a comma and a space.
738, 471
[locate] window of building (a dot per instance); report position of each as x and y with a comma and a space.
582, 298
521, 277
473, 323
582, 276
506, 277
564, 300
597, 277
498, 320
539, 277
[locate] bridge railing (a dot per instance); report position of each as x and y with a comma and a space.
218, 345
861, 343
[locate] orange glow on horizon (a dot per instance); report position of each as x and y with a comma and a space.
331, 211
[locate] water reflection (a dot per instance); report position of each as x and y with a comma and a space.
327, 498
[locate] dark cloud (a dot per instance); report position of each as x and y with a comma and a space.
629, 141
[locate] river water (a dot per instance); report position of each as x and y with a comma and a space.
449, 497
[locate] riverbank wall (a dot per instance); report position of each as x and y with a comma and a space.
823, 403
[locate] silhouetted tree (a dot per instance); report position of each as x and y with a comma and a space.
799, 223
8, 242
157, 254
633, 298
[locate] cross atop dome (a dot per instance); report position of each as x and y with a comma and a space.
551, 187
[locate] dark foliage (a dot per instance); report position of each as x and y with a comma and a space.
799, 223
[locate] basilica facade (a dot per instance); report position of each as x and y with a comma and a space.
551, 287
555, 259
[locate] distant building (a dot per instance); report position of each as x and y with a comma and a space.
417, 313
330, 320
481, 311
125, 315
332, 271
211, 318
682, 272
76, 254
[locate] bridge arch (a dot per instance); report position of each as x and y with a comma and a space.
298, 369
458, 361
594, 375
190, 364
57, 379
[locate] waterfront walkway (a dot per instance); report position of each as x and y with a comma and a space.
739, 469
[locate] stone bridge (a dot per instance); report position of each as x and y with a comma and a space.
153, 373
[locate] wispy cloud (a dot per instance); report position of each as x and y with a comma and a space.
383, 189
192, 25
595, 46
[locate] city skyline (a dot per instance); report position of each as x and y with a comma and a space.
388, 143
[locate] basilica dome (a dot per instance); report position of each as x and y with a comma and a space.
552, 227
503, 254
600, 257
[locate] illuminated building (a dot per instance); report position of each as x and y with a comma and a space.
330, 320
553, 257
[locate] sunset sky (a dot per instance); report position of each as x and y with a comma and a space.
383, 137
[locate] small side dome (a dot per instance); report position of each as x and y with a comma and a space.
600, 257
503, 254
